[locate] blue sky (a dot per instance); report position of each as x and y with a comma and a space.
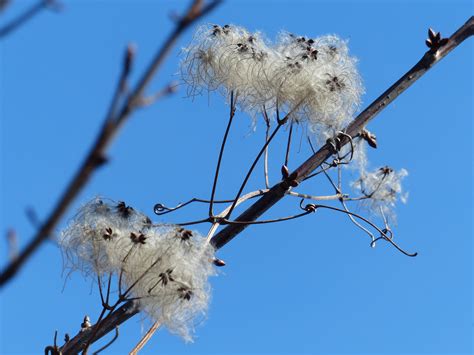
306, 286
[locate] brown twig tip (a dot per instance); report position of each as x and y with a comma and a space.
434, 41
128, 58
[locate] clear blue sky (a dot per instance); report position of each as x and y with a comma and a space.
307, 286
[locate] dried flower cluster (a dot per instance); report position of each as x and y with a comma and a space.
314, 78
165, 266
382, 188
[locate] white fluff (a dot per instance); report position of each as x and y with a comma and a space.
382, 187
167, 265
316, 79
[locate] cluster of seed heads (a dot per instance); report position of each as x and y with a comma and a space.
382, 188
313, 78
165, 267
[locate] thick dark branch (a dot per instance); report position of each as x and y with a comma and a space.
278, 191
112, 124
122, 314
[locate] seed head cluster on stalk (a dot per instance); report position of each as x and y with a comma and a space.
315, 78
382, 188
166, 267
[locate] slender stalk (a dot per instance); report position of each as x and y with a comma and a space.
221, 153
288, 145
146, 338
249, 173
268, 221
110, 342
265, 157
382, 233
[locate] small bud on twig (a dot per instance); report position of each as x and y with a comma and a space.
369, 137
218, 262
86, 324
285, 172
434, 41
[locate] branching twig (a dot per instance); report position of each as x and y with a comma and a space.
224, 213
113, 122
110, 342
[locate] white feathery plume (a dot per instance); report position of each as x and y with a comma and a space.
382, 187
314, 78
165, 266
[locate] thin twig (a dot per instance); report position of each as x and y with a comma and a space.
161, 209
249, 173
316, 198
146, 338
280, 122
268, 221
169, 89
110, 342
221, 152
26, 16
278, 191
288, 144
382, 233
111, 126
265, 157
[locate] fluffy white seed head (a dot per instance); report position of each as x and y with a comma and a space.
314, 78
165, 266
383, 187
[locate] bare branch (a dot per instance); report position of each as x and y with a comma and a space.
111, 126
